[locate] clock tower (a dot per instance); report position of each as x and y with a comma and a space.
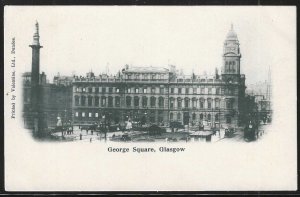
231, 57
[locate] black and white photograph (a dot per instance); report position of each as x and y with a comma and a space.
119, 98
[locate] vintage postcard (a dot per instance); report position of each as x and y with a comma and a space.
157, 98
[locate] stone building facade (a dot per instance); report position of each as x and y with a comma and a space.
145, 95
151, 95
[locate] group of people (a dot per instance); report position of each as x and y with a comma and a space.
66, 128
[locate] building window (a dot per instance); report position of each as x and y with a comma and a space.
83, 89
137, 76
194, 90
229, 103
89, 101
217, 103
110, 101
128, 101
201, 103
209, 91
209, 117
171, 103
96, 115
145, 90
83, 114
82, 100
77, 90
179, 103
194, 103
187, 90
161, 90
76, 114
128, 90
152, 101
202, 90
90, 114
209, 103
117, 101
172, 90
110, 90
217, 117
103, 89
228, 119
136, 90
217, 90
136, 101
76, 100
129, 76
201, 116
153, 90
97, 90
179, 90
179, 116
171, 116
186, 102
103, 101
117, 90
194, 116
144, 101
152, 76
96, 101
90, 90
161, 102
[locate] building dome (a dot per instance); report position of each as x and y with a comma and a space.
231, 34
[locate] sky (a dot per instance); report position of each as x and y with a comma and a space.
79, 39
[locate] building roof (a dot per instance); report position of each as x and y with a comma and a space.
231, 35
148, 69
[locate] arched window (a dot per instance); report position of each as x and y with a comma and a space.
171, 116
201, 116
161, 102
201, 103
144, 101
172, 103
128, 101
152, 101
209, 103
103, 101
179, 103
136, 101
76, 100
110, 101
209, 117
194, 116
117, 101
229, 103
217, 103
83, 100
194, 102
217, 117
90, 100
96, 101
187, 102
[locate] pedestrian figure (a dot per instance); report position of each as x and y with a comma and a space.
92, 132
59, 126
90, 139
80, 136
